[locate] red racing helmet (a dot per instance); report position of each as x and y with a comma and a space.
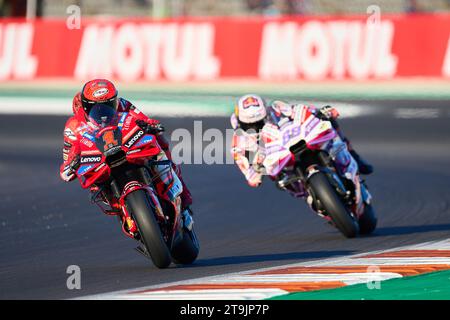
98, 91
76, 103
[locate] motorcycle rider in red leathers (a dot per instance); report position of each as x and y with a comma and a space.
252, 114
103, 91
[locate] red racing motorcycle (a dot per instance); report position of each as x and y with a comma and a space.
130, 177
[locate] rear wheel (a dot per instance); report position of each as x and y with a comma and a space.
368, 221
139, 207
186, 250
333, 206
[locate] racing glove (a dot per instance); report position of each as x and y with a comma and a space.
75, 164
68, 174
328, 113
254, 175
254, 179
151, 126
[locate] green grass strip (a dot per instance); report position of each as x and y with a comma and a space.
430, 286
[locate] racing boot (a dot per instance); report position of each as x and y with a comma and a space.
186, 197
364, 167
186, 211
188, 222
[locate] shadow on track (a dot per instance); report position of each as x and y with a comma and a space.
405, 230
233, 260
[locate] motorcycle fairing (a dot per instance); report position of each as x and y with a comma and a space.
314, 131
144, 147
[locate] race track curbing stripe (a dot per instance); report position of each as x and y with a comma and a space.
302, 277
429, 286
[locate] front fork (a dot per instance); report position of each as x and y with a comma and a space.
354, 199
110, 202
129, 226
334, 180
167, 187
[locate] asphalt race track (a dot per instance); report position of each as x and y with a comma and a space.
47, 225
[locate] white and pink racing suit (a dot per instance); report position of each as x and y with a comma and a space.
248, 150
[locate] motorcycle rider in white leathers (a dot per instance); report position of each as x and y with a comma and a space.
252, 120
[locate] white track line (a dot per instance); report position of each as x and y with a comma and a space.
308, 277
63, 107
417, 113
253, 293
390, 261
213, 294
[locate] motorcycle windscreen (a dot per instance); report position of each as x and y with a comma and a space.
108, 137
102, 115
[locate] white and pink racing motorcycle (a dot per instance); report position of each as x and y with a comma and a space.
302, 156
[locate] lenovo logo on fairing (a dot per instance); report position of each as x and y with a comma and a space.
135, 138
91, 159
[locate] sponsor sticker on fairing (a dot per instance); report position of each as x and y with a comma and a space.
87, 142
122, 119
100, 167
134, 151
95, 159
274, 148
311, 125
83, 169
88, 136
134, 139
126, 125
69, 134
146, 139
132, 184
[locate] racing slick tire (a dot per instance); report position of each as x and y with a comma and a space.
368, 221
333, 206
138, 205
186, 250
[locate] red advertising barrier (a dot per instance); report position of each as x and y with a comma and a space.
208, 49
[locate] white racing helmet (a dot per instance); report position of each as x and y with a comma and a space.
250, 110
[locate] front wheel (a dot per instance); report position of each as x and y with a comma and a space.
333, 206
186, 250
139, 207
368, 221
